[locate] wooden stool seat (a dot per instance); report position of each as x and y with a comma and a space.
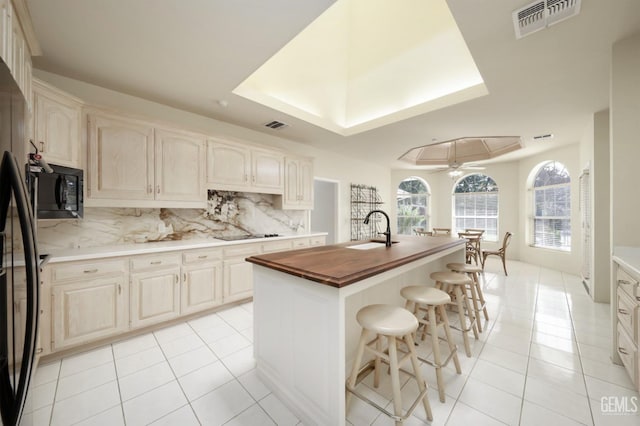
394, 324
387, 320
432, 301
477, 296
425, 295
448, 277
456, 284
464, 267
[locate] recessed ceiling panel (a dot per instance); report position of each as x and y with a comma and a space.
366, 63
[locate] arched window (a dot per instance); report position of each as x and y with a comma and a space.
413, 205
552, 207
475, 199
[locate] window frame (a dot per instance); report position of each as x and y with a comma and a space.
535, 218
487, 236
427, 207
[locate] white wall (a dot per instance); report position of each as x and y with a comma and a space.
327, 164
625, 147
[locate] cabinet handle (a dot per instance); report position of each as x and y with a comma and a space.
41, 146
246, 178
184, 277
149, 190
158, 189
623, 351
177, 278
90, 271
624, 282
203, 256
156, 262
623, 311
119, 289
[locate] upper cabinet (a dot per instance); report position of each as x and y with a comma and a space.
298, 187
57, 125
18, 43
237, 167
179, 166
139, 166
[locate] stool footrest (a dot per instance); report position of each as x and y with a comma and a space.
444, 364
366, 370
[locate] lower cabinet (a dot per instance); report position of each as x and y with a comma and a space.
201, 287
85, 301
628, 321
238, 274
155, 296
83, 311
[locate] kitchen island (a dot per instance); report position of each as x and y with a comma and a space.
305, 305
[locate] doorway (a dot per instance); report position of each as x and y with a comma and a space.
324, 216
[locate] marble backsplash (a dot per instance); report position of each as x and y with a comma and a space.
227, 214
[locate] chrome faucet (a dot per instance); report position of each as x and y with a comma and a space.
387, 233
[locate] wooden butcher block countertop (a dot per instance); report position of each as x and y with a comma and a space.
338, 265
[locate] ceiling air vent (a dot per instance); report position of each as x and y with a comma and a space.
542, 13
276, 125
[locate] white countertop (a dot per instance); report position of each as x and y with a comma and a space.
628, 257
68, 255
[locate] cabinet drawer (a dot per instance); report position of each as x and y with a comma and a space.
242, 250
316, 241
627, 351
70, 271
146, 262
274, 246
626, 312
628, 283
302, 243
201, 256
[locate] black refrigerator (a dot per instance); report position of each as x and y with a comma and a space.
19, 271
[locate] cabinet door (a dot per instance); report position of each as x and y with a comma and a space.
17, 51
228, 166
238, 280
57, 129
155, 296
5, 30
267, 171
120, 159
305, 184
292, 177
201, 287
179, 166
88, 310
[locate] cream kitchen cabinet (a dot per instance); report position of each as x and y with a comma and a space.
89, 301
131, 164
238, 274
298, 184
57, 125
121, 160
179, 166
18, 43
237, 167
155, 289
627, 320
201, 280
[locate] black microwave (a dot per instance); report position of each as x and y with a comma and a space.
58, 195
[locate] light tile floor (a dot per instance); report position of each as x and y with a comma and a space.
543, 358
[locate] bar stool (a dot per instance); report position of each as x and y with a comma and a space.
476, 289
433, 301
393, 323
456, 284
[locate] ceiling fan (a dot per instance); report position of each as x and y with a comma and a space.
457, 155
456, 168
